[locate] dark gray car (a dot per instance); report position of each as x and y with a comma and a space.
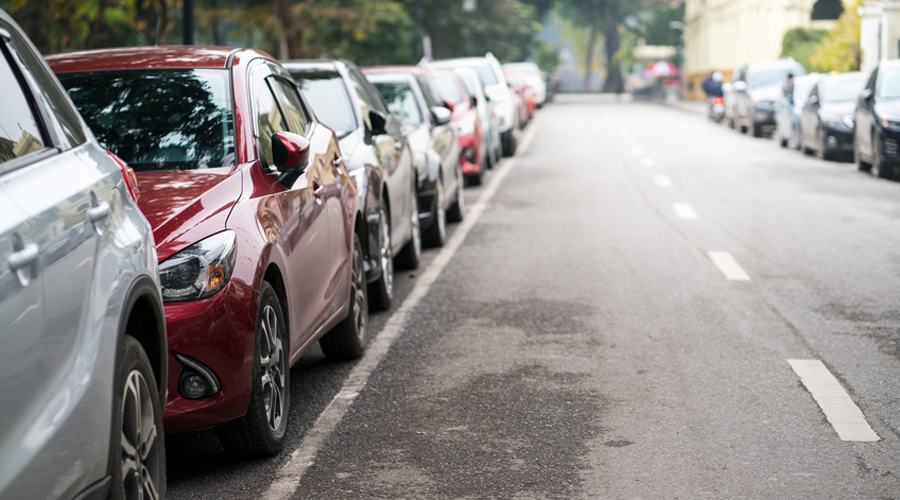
755, 88
83, 342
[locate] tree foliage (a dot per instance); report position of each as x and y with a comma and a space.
839, 49
800, 43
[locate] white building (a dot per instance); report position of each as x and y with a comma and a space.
879, 32
722, 35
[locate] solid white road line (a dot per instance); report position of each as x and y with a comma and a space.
684, 211
729, 267
843, 414
287, 478
662, 180
648, 162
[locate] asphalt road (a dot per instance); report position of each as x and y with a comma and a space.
581, 341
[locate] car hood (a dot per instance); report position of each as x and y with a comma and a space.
837, 108
185, 206
888, 109
767, 93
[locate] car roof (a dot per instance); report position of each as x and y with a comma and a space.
312, 65
150, 57
394, 69
853, 75
466, 61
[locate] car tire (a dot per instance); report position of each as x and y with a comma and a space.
381, 291
138, 455
345, 341
821, 153
782, 142
508, 141
756, 130
457, 211
436, 234
861, 165
411, 254
879, 169
731, 123
261, 431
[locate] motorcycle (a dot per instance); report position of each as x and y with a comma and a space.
716, 108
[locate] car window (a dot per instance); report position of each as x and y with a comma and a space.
427, 93
841, 90
20, 133
54, 96
359, 88
269, 119
327, 94
889, 88
291, 106
447, 87
486, 73
169, 119
401, 101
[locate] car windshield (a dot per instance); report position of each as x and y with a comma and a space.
447, 87
401, 102
169, 119
329, 99
765, 78
841, 90
889, 87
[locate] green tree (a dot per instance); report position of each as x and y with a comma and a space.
839, 49
800, 43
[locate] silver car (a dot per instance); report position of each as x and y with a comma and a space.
83, 345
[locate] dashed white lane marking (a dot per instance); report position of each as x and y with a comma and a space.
648, 162
843, 414
729, 267
684, 211
287, 478
662, 180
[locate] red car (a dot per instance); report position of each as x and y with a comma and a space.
466, 121
524, 92
254, 217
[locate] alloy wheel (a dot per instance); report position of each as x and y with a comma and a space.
272, 369
358, 292
141, 473
385, 253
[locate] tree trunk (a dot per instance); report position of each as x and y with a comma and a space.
96, 25
614, 82
589, 57
293, 32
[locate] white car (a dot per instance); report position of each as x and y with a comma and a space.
534, 78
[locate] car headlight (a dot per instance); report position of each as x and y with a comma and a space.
465, 127
200, 270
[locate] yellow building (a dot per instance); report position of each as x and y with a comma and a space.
722, 35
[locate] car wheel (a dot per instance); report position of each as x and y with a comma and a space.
783, 142
138, 467
411, 253
731, 123
345, 341
436, 235
457, 211
381, 292
820, 151
861, 165
262, 429
879, 169
508, 140
756, 130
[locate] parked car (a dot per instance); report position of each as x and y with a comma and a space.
534, 78
525, 105
436, 150
378, 155
83, 365
497, 90
787, 111
490, 133
256, 223
452, 92
877, 131
756, 87
826, 122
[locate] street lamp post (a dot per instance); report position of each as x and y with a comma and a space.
469, 7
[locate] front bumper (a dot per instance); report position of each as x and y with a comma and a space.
218, 333
837, 140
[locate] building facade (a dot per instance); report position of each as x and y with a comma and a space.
721, 35
879, 32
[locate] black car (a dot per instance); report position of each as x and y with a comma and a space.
877, 134
436, 150
379, 158
826, 122
754, 90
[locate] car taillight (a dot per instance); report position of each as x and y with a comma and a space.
718, 101
127, 175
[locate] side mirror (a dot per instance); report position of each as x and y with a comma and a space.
473, 101
290, 151
377, 122
866, 95
448, 105
487, 98
441, 115
813, 100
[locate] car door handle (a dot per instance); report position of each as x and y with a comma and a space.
98, 213
24, 257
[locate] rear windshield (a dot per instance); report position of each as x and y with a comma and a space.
170, 119
401, 102
447, 87
329, 99
841, 90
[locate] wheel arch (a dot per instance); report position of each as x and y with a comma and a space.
274, 277
144, 320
